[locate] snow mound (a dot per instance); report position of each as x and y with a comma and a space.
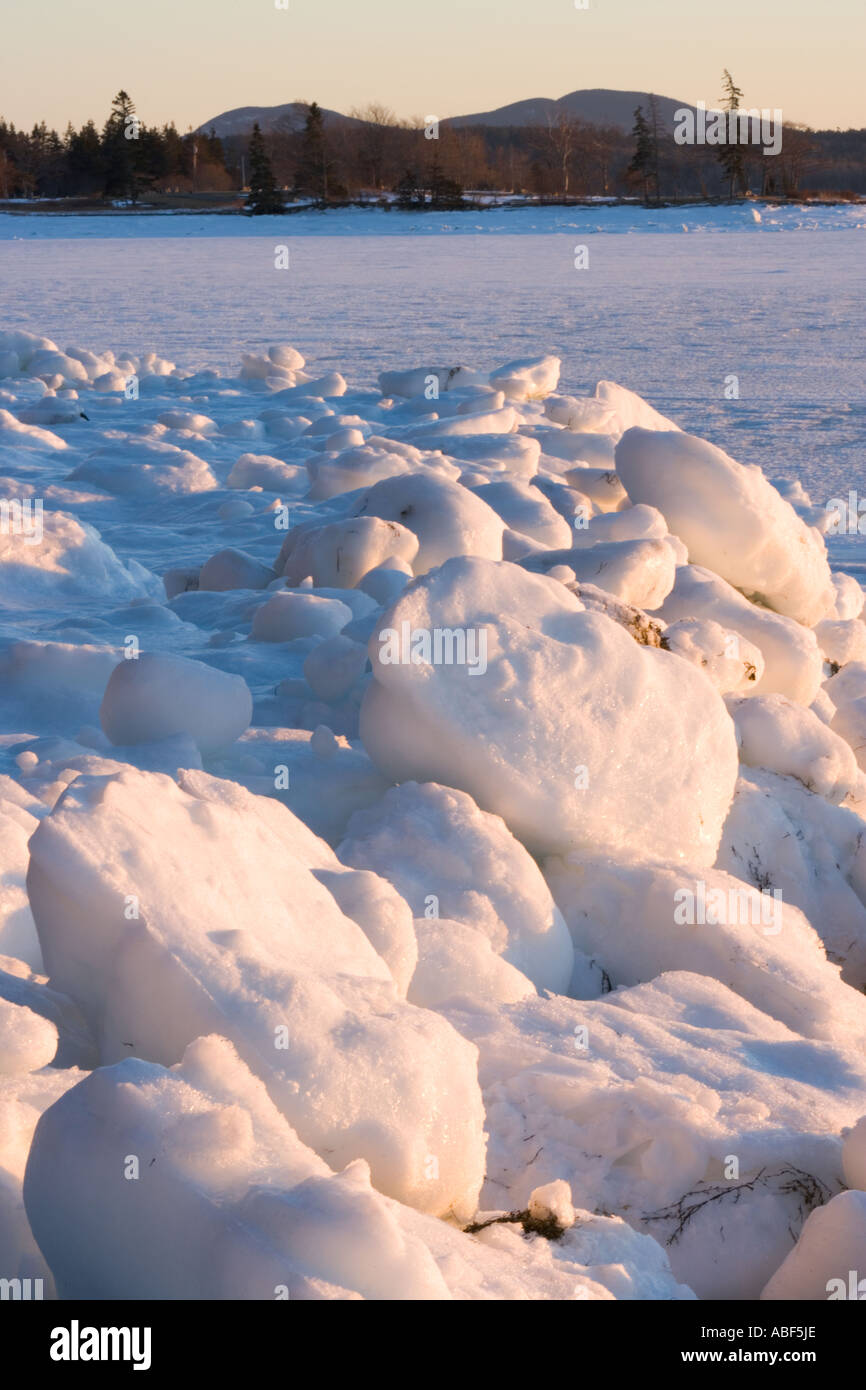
338, 555
145, 468
827, 1261
286, 616
567, 728
256, 1215
731, 518
653, 1143
640, 920
456, 961
781, 736
157, 696
446, 857
283, 974
447, 518
792, 657
527, 378
638, 572
55, 558
780, 836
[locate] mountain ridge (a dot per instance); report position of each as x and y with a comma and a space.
595, 105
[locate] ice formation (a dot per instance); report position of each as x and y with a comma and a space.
433, 832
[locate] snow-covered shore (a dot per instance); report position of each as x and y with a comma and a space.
420, 805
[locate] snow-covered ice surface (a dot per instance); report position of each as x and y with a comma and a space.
432, 801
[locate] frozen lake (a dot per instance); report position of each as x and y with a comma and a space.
555, 984
672, 303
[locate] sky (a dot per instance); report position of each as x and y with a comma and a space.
189, 60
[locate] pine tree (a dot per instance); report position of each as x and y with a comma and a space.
730, 155
311, 175
445, 193
121, 151
263, 195
644, 157
410, 195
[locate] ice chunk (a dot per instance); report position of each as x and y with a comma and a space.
145, 468
653, 1143
854, 1155
53, 558
156, 696
638, 572
234, 569
28, 1041
448, 858
792, 658
270, 474
780, 836
781, 736
732, 662
339, 554
628, 410
255, 1214
527, 378
842, 640
429, 381
732, 519
447, 518
827, 1261
352, 468
277, 969
458, 961
525, 509
640, 920
552, 717
286, 616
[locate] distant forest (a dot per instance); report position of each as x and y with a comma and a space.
374, 154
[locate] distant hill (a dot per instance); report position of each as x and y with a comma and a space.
288, 117
597, 106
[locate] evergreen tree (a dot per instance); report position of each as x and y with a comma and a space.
409, 192
124, 175
731, 156
445, 193
263, 196
85, 172
311, 175
644, 157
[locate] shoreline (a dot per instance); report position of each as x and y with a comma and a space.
52, 207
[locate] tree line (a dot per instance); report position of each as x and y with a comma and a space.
372, 153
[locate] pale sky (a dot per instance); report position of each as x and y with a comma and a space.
189, 60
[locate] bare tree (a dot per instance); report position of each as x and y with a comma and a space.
375, 144
562, 136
